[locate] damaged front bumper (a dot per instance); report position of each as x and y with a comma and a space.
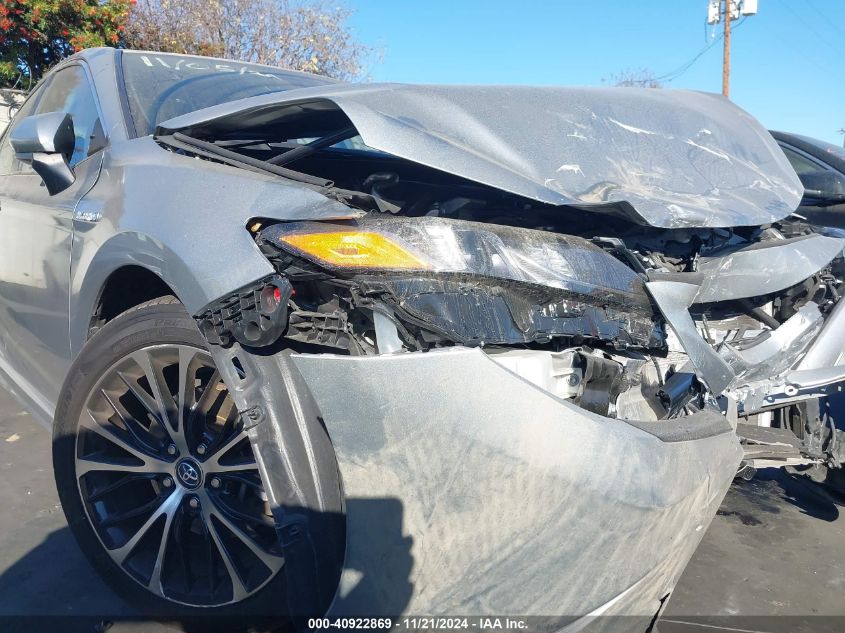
799, 360
469, 486
469, 490
759, 372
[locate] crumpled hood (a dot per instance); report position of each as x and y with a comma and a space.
667, 158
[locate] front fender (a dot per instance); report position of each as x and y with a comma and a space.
183, 219
94, 262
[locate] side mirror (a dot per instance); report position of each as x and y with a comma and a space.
823, 184
46, 141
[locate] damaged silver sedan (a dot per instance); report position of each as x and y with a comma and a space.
313, 347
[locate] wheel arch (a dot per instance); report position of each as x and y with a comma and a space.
125, 270
126, 287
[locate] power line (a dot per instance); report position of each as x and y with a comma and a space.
812, 56
831, 23
812, 28
680, 70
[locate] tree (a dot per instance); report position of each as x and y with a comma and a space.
36, 34
630, 78
309, 36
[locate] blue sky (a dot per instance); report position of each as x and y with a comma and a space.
787, 61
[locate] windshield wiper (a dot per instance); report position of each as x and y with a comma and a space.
177, 139
309, 148
210, 150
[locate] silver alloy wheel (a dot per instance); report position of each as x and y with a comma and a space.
169, 482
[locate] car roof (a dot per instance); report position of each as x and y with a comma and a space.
818, 149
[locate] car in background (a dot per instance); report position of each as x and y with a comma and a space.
821, 167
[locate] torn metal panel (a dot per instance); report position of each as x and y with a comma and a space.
761, 359
493, 470
778, 350
828, 349
764, 267
666, 158
755, 270
674, 299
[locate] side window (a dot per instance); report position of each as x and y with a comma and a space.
69, 91
801, 164
9, 164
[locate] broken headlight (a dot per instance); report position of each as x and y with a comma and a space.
476, 282
436, 245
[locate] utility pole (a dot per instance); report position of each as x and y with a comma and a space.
729, 10
726, 54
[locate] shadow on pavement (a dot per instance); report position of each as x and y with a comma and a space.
52, 587
809, 497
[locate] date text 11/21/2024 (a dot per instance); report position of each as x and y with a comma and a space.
421, 623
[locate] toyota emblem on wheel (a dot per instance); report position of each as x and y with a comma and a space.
188, 474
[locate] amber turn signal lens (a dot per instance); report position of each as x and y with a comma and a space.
353, 249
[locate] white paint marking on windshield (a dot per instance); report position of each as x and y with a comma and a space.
184, 64
158, 59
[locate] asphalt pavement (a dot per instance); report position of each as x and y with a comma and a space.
776, 548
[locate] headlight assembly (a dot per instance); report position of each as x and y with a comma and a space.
477, 283
455, 247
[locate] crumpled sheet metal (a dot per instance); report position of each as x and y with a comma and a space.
760, 269
828, 350
502, 494
778, 351
674, 300
794, 386
764, 267
667, 158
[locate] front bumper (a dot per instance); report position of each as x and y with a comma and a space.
471, 491
468, 489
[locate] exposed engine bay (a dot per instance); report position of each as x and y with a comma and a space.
561, 303
592, 303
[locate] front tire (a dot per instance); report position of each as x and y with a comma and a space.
156, 476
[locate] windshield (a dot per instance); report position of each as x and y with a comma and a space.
162, 86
